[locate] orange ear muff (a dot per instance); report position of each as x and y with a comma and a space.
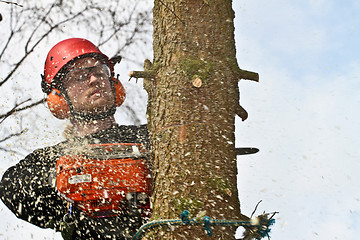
57, 104
119, 91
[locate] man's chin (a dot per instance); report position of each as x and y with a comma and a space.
94, 109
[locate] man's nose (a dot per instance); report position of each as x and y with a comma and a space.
92, 78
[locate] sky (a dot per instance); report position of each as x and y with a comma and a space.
303, 116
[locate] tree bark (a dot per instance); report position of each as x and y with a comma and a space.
193, 97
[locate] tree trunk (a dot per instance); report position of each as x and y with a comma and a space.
191, 110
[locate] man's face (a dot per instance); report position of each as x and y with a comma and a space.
88, 87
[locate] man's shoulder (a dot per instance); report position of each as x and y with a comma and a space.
49, 152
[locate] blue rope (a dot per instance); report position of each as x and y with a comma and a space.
262, 228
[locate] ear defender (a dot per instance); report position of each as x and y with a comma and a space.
57, 104
119, 92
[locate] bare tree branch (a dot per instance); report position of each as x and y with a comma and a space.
10, 151
4, 116
37, 27
11, 3
13, 135
27, 52
15, 109
6, 44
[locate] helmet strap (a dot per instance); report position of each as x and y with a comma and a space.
92, 117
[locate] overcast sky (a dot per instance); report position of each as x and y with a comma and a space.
303, 115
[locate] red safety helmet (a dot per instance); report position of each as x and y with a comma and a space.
59, 57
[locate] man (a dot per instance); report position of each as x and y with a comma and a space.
80, 84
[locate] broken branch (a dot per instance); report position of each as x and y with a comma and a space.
247, 75
142, 74
241, 112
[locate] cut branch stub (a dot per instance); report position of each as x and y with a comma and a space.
142, 74
241, 112
247, 75
197, 82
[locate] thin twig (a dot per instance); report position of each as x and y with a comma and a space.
37, 27
267, 234
255, 208
10, 151
11, 3
4, 116
31, 105
7, 43
273, 214
11, 33
15, 109
118, 28
13, 135
37, 43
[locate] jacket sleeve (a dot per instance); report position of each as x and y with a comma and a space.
25, 189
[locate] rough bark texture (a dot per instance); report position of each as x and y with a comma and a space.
191, 112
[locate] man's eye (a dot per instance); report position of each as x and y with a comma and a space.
79, 76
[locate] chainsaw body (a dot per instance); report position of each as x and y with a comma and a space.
106, 180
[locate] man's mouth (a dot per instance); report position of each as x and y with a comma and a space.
95, 92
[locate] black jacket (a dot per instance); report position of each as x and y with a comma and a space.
26, 190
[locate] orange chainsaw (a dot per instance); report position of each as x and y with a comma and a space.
106, 180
